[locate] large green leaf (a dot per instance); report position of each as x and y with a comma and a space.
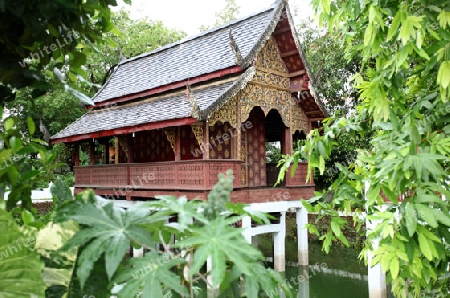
106, 230
152, 275
223, 243
20, 267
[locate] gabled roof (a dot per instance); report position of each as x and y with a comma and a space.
133, 116
150, 89
190, 58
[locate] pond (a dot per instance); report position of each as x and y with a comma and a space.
338, 274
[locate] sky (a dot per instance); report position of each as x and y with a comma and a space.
189, 15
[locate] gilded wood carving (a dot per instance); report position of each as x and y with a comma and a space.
299, 120
226, 114
270, 58
197, 130
266, 98
171, 136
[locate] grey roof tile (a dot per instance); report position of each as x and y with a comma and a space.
189, 58
174, 106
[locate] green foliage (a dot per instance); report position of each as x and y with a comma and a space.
34, 34
403, 88
20, 267
133, 37
18, 174
85, 242
331, 67
227, 14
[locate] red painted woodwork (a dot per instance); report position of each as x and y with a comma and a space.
299, 178
175, 85
127, 130
174, 175
244, 195
220, 136
256, 146
190, 149
151, 146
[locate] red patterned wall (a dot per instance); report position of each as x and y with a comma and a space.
189, 145
151, 146
256, 149
220, 140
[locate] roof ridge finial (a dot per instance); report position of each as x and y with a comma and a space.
195, 110
234, 47
121, 56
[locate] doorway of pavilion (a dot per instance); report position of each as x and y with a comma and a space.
260, 171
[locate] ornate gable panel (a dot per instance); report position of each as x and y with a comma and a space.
270, 59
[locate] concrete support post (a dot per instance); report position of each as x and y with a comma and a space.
302, 236
138, 252
212, 292
377, 279
279, 255
246, 226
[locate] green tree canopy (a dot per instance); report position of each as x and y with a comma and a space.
227, 14
32, 34
402, 179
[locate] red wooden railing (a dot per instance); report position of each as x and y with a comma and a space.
174, 175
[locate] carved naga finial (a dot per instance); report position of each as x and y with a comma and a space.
195, 110
234, 47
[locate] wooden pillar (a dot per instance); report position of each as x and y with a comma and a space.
238, 132
76, 154
206, 141
130, 149
105, 145
286, 147
178, 144
116, 148
92, 152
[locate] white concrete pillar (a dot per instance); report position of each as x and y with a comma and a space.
377, 281
376, 277
302, 236
303, 281
138, 252
212, 292
279, 238
247, 226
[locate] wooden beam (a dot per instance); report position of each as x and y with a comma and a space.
172, 86
270, 86
282, 30
290, 53
299, 89
126, 130
313, 112
316, 119
297, 73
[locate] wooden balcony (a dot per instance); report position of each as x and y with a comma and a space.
193, 178
174, 175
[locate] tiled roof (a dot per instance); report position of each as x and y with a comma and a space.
171, 106
189, 58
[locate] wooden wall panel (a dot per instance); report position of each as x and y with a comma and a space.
220, 140
151, 146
